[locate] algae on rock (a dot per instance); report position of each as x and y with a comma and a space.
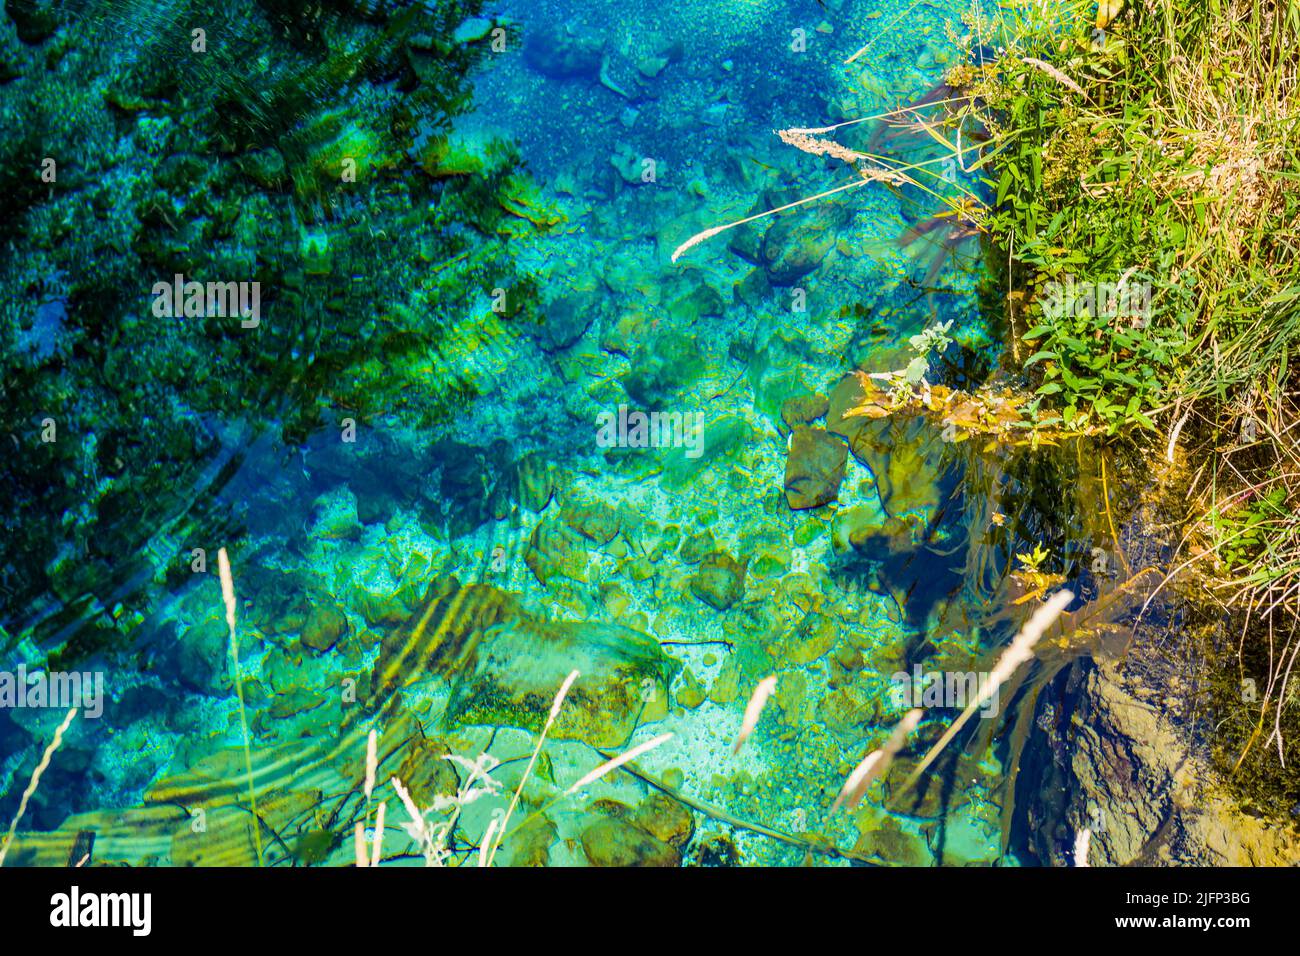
624, 680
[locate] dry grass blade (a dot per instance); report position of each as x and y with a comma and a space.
699, 237
1055, 74
35, 781
1081, 844
876, 763
541, 739
227, 587
1020, 650
754, 710
228, 596
359, 845
618, 761
559, 700
372, 763
405, 796
378, 846
817, 146
487, 842
418, 827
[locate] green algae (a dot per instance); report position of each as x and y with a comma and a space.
624, 680
275, 127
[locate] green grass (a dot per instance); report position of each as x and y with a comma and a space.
1164, 150
1160, 151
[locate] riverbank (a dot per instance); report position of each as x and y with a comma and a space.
1152, 147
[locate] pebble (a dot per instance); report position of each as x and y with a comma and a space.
475, 28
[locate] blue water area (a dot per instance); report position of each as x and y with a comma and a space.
427, 527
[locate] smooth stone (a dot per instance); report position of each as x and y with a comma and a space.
618, 843
475, 28
815, 467
720, 581
323, 628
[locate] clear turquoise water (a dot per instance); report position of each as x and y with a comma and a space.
319, 520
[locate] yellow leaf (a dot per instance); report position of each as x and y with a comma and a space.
1108, 10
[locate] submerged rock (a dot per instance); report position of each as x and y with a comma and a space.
475, 484
560, 54
530, 844
519, 664
535, 482
753, 290
815, 467
793, 248
701, 302
815, 635
628, 164
622, 335
650, 834
697, 547
904, 454
965, 842
746, 241
665, 363
691, 694
336, 517
427, 773
555, 549
865, 529
564, 322
594, 520
651, 66
803, 409
717, 849
618, 843
440, 636
200, 658
323, 628
475, 28
665, 819
847, 710
720, 581
383, 610
506, 666
891, 842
